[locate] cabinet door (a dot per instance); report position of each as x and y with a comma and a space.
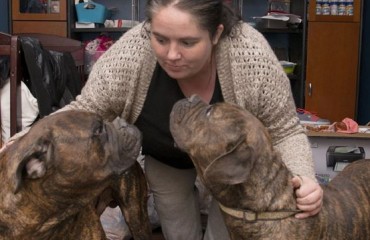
55, 28
356, 17
332, 69
39, 10
39, 16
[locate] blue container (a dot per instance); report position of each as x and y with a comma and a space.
91, 12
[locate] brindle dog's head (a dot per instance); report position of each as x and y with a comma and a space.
60, 166
223, 140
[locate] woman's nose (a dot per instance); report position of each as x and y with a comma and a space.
173, 52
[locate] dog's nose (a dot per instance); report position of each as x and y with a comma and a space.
183, 106
120, 123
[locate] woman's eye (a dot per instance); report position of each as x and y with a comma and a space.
160, 40
188, 43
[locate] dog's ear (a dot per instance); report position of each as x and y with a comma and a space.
232, 167
31, 163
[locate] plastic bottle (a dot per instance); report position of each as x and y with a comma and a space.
318, 7
333, 7
342, 7
349, 8
325, 7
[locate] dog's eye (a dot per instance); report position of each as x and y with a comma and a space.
99, 129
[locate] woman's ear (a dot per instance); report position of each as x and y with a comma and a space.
218, 33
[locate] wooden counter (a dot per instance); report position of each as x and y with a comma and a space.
338, 135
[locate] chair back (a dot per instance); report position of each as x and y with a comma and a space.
63, 44
10, 46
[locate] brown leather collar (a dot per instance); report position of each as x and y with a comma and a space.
251, 216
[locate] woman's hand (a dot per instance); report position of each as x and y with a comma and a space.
309, 196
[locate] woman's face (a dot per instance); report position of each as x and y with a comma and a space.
183, 49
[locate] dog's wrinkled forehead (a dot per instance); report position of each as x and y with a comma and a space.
181, 109
191, 111
194, 123
82, 123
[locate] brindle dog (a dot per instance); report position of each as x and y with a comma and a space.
235, 159
59, 177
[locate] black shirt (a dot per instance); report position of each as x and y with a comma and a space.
154, 119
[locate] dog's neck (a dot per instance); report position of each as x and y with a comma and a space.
48, 221
62, 223
268, 187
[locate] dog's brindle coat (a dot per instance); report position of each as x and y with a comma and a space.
59, 177
233, 155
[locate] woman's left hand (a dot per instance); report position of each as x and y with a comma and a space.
309, 196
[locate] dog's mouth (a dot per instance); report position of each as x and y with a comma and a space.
126, 139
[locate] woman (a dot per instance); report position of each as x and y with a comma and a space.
190, 47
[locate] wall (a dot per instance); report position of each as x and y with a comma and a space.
4, 16
363, 116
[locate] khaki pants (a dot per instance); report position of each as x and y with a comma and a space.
176, 202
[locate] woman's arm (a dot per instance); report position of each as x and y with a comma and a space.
264, 88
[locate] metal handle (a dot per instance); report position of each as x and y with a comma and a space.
310, 89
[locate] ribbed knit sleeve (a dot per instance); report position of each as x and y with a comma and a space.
259, 84
112, 85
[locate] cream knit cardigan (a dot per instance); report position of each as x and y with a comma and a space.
249, 73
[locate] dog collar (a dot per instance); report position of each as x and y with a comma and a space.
251, 216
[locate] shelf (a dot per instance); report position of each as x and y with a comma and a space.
331, 18
279, 30
129, 14
102, 29
356, 17
287, 40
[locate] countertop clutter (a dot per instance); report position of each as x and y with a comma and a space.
347, 128
364, 133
